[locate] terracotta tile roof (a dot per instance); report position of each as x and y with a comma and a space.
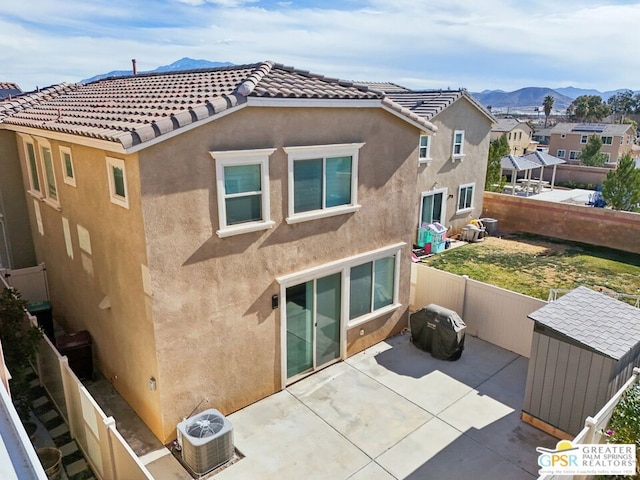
429, 103
386, 87
135, 109
507, 124
593, 319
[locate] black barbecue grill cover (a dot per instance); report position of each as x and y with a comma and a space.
438, 330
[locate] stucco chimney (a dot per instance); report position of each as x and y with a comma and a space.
133, 63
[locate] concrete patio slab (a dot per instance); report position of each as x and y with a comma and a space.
283, 439
372, 417
331, 394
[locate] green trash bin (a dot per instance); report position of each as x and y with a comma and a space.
42, 311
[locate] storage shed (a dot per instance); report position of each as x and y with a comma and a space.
584, 348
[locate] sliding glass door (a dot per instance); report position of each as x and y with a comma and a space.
313, 324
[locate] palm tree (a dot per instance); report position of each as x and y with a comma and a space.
547, 104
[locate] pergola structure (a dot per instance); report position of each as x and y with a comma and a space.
545, 160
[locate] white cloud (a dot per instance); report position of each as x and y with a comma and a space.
437, 44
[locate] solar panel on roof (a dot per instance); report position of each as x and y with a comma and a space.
596, 127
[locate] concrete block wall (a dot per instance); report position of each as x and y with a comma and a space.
579, 223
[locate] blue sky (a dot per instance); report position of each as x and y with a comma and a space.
476, 44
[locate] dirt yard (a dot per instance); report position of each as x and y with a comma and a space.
535, 265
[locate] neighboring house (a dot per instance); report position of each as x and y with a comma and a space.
542, 136
453, 162
519, 135
8, 89
566, 140
222, 233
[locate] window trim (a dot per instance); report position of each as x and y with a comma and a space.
575, 156
35, 192
115, 198
584, 139
296, 153
344, 266
473, 196
454, 155
243, 157
602, 137
564, 153
68, 180
46, 193
443, 213
427, 158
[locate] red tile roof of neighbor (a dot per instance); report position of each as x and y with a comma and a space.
133, 110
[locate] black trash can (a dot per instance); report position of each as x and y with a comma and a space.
438, 330
42, 311
77, 348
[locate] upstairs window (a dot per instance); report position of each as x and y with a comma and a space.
117, 177
32, 168
243, 191
50, 186
607, 140
323, 181
465, 197
424, 154
68, 174
458, 144
583, 139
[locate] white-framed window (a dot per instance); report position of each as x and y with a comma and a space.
621, 139
561, 153
242, 185
371, 287
432, 206
370, 283
323, 181
35, 187
50, 185
117, 177
628, 139
66, 160
607, 140
574, 154
607, 157
458, 144
465, 197
584, 139
424, 155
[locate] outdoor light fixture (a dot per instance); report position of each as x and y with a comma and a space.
152, 383
274, 301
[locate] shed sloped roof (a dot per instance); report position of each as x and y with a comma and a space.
132, 110
593, 319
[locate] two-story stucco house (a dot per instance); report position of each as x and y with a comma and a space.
222, 233
519, 135
452, 164
567, 140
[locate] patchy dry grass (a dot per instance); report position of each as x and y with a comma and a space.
533, 265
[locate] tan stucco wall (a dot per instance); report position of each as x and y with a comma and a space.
450, 174
123, 337
218, 338
13, 205
572, 142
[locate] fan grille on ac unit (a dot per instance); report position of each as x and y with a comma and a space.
206, 440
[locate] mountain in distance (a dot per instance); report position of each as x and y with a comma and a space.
182, 64
528, 97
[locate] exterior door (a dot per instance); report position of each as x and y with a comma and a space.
313, 325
